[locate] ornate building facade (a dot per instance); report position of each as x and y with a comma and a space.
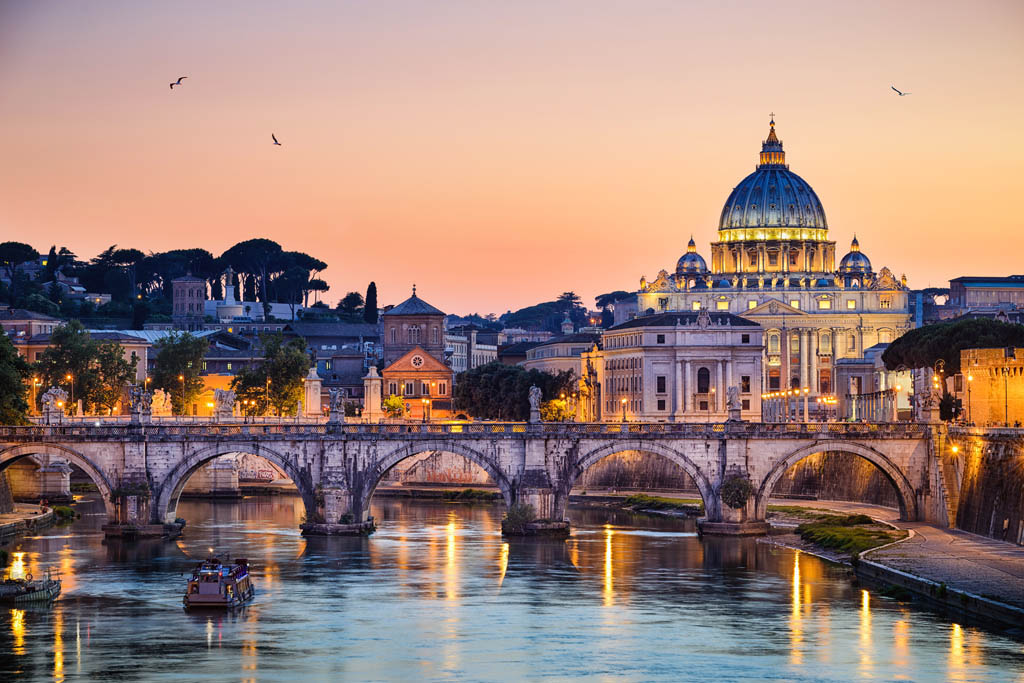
773, 264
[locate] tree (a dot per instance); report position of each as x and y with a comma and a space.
129, 260
607, 318
14, 375
922, 347
569, 301
69, 363
113, 373
394, 406
350, 307
277, 381
605, 300
260, 258
12, 255
370, 307
176, 368
501, 392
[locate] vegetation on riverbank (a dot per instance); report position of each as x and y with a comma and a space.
641, 501
83, 487
471, 496
849, 533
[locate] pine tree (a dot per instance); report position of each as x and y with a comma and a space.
370, 305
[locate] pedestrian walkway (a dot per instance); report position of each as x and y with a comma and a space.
968, 562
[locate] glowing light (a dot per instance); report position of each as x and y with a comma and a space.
796, 632
502, 563
609, 574
865, 631
18, 630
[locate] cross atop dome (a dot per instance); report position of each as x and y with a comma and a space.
691, 247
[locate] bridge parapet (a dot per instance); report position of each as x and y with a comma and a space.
471, 430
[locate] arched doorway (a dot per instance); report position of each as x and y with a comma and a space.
905, 495
169, 491
19, 453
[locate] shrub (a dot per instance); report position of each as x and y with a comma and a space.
63, 512
518, 516
736, 491
347, 518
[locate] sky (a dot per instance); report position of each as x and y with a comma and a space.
497, 154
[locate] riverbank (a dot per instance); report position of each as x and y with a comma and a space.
949, 569
25, 518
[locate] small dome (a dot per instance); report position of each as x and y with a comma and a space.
855, 261
691, 263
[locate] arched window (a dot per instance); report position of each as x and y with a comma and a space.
703, 381
773, 343
394, 337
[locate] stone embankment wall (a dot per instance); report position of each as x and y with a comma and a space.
438, 467
633, 470
991, 497
6, 499
837, 476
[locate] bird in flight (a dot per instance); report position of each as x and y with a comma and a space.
899, 92
274, 137
178, 82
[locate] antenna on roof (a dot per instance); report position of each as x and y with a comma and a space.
414, 289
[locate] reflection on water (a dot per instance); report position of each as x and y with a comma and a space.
437, 593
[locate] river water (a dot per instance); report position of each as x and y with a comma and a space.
437, 594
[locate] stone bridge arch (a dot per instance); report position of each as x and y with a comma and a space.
904, 490
704, 487
103, 482
367, 483
168, 491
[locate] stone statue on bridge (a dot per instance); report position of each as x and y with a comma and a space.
54, 401
535, 397
223, 402
337, 415
161, 403
140, 404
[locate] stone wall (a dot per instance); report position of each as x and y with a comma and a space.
438, 467
991, 501
6, 499
837, 476
638, 471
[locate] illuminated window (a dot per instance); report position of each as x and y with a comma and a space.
751, 305
695, 306
851, 304
824, 304
722, 305
229, 366
795, 303
885, 302
773, 343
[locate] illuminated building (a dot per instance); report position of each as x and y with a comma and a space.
774, 264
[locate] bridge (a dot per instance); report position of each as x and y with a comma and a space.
141, 469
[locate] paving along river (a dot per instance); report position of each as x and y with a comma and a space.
437, 593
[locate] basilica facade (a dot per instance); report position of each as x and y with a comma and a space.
774, 264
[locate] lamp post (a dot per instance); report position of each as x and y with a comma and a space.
426, 406
267, 394
71, 379
623, 401
711, 402
1006, 400
181, 378
970, 380
36, 382
807, 392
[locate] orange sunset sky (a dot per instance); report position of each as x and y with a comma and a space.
500, 153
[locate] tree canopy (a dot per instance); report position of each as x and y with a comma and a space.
14, 372
277, 381
176, 368
502, 392
924, 346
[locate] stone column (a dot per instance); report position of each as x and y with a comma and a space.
677, 392
688, 387
372, 392
813, 353
720, 388
804, 360
312, 386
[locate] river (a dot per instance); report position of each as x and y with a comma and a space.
437, 594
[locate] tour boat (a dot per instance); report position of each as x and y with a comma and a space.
219, 586
22, 591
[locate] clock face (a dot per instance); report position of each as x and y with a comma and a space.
417, 361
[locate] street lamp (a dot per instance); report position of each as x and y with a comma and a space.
711, 402
71, 378
807, 393
36, 383
1005, 371
623, 401
426, 403
181, 378
970, 380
